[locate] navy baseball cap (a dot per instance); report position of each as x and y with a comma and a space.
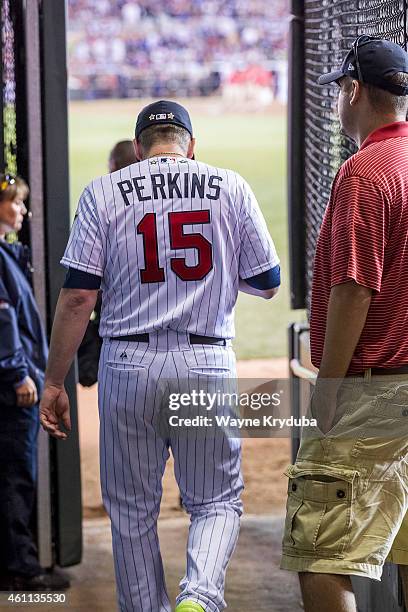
372, 60
163, 112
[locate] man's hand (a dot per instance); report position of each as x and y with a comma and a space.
27, 393
348, 307
54, 408
74, 308
324, 403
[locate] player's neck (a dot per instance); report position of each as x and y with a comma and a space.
172, 150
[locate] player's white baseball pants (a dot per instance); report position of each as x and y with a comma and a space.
133, 458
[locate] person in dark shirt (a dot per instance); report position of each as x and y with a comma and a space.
23, 356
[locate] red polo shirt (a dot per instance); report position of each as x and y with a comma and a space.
364, 237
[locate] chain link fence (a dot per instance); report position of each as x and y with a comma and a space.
329, 28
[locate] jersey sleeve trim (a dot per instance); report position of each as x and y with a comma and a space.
271, 279
77, 279
70, 263
259, 269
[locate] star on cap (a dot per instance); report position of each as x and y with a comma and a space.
152, 117
170, 116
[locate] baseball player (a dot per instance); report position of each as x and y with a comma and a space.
170, 241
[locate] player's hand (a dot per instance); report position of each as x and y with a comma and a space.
54, 409
27, 393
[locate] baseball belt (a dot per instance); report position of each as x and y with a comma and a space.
384, 371
194, 339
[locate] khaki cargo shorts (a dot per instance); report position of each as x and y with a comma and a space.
347, 506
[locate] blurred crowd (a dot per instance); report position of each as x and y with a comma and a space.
133, 48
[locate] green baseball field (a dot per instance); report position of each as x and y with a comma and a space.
251, 143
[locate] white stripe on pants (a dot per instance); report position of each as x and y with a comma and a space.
133, 457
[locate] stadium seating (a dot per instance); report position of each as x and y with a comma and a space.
128, 48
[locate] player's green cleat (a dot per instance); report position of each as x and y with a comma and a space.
189, 606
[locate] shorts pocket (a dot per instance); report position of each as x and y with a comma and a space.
319, 510
293, 506
385, 434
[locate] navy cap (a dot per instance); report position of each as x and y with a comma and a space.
163, 112
372, 60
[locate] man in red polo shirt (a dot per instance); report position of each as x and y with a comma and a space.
347, 509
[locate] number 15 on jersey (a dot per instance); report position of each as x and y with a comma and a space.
153, 272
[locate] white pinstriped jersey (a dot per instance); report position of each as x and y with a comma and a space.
170, 238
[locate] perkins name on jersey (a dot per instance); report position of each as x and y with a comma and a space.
168, 186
